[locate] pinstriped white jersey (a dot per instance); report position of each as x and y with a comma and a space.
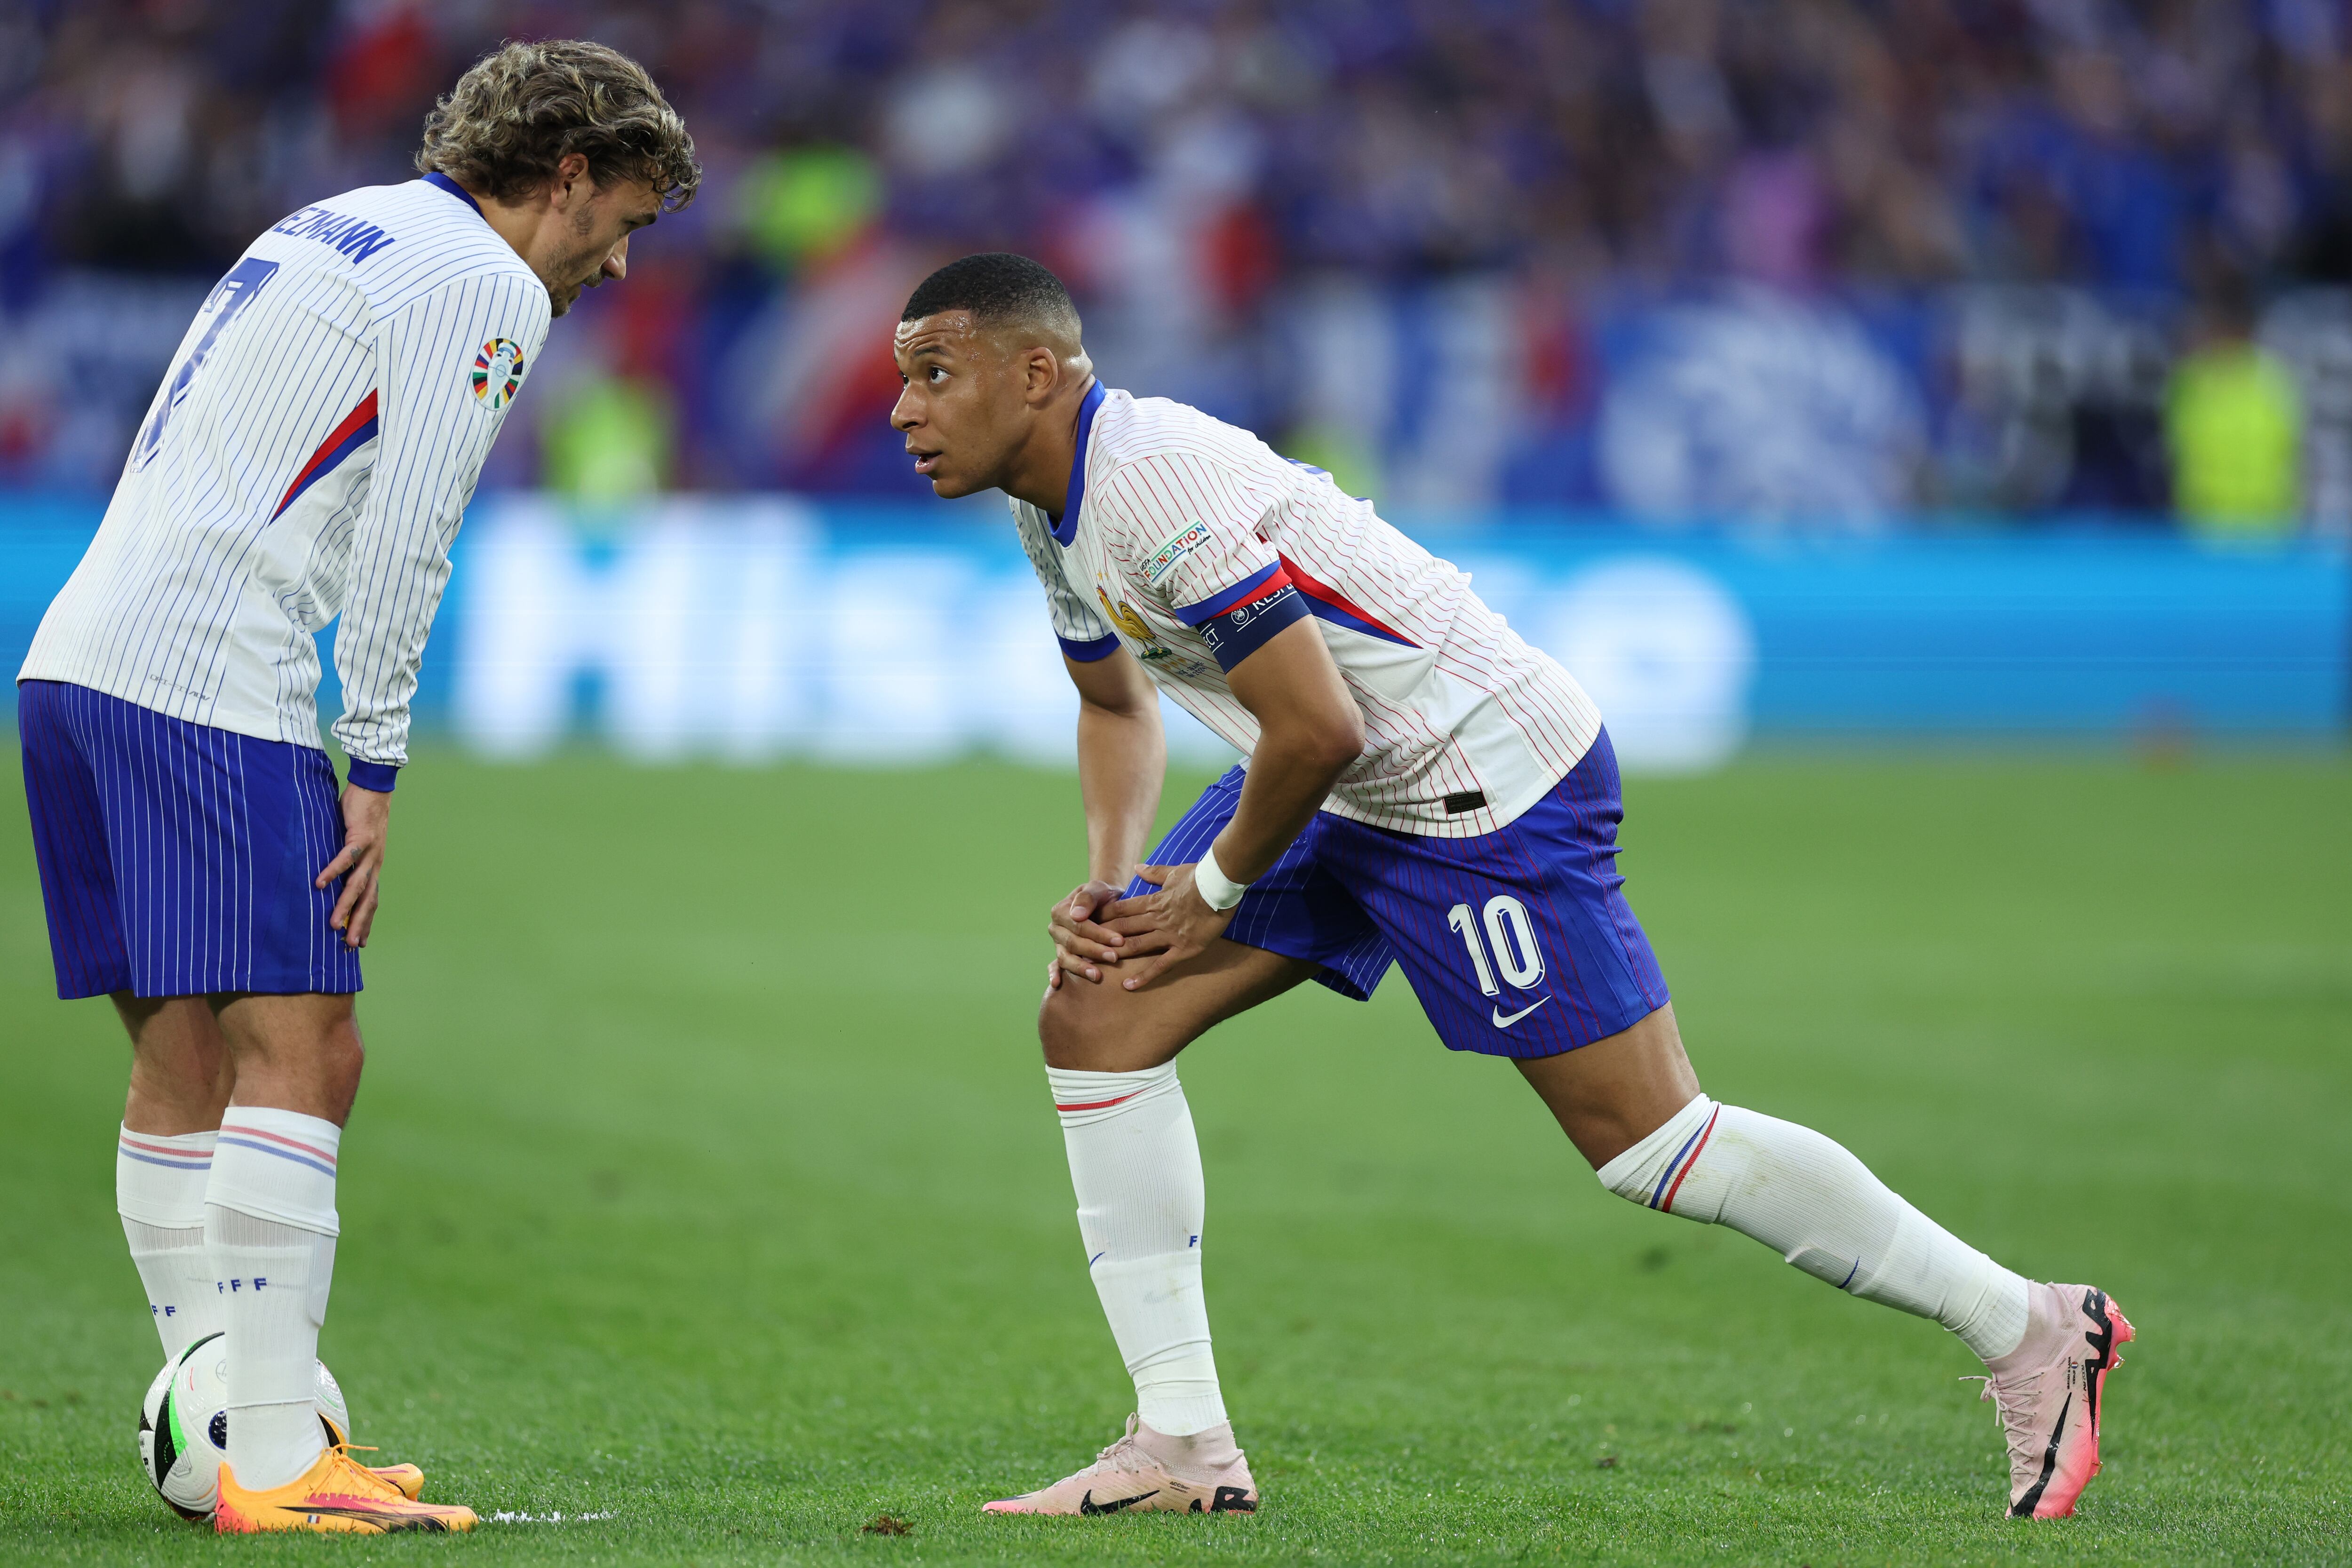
1189, 542
308, 455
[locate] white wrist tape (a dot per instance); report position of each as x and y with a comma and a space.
1218, 890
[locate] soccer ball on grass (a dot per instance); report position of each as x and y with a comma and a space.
184, 1426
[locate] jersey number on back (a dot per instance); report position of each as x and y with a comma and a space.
229, 295
1514, 938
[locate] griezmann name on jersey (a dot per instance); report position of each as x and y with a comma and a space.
1188, 542
308, 455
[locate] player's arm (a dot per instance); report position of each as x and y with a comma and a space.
1122, 759
434, 431
1310, 731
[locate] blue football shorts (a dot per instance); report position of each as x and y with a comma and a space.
176, 859
1518, 943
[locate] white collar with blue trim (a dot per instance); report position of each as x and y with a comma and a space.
438, 178
1066, 526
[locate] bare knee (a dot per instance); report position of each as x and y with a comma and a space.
180, 1070
1065, 1032
1101, 1027
1087, 1027
297, 1053
343, 1056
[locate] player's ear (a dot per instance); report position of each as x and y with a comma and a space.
1041, 371
571, 183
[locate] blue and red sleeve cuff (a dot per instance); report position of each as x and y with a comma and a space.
1088, 652
1243, 619
377, 777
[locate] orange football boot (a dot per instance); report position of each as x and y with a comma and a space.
407, 1478
336, 1495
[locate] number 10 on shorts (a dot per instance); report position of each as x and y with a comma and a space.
1513, 939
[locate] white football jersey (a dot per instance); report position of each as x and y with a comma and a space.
308, 455
1189, 542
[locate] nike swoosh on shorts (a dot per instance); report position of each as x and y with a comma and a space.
1503, 1021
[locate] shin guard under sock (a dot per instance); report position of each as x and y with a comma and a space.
1813, 1202
1135, 1165
270, 1225
159, 1191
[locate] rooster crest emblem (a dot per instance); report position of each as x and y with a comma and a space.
1124, 618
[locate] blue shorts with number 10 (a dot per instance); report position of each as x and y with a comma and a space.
1518, 943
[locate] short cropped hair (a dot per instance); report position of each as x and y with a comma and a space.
996, 286
525, 107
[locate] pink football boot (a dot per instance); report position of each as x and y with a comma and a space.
1149, 1472
2048, 1390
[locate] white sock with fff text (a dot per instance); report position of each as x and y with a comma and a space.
1821, 1209
159, 1191
270, 1224
1135, 1165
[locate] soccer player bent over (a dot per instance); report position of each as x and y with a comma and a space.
308, 455
1423, 788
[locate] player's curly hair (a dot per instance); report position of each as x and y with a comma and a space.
522, 108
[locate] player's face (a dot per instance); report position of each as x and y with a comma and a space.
960, 409
587, 239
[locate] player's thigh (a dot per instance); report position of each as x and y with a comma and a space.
1294, 923
1102, 1026
264, 1027
1609, 1095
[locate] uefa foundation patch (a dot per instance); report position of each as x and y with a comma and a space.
498, 372
1172, 549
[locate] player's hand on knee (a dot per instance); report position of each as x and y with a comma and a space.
1176, 923
1081, 943
367, 818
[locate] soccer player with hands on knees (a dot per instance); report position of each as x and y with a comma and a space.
1420, 787
308, 455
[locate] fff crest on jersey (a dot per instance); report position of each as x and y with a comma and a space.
498, 372
1153, 653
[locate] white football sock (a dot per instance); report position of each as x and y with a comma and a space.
1818, 1207
159, 1191
270, 1225
1135, 1166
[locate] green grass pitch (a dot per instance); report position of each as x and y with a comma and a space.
703, 1188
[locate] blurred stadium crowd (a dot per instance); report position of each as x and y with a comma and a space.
1840, 262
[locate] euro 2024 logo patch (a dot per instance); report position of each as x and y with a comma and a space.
498, 372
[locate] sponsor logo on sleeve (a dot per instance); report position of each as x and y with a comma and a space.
1174, 548
497, 374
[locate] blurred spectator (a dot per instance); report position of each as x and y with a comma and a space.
804, 203
2234, 423
1435, 243
609, 439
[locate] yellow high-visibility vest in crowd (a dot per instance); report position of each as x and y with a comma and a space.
2234, 421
